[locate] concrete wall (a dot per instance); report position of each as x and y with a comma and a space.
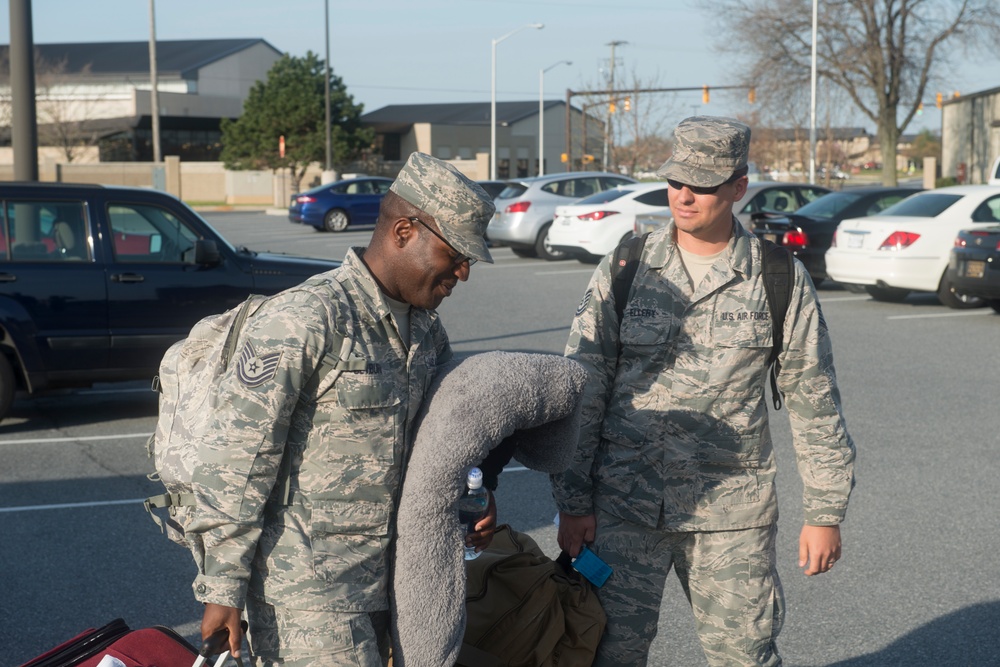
970, 136
205, 182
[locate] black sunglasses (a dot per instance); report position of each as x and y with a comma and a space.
459, 258
706, 190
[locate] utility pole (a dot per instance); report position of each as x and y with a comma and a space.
328, 172
154, 96
611, 100
24, 120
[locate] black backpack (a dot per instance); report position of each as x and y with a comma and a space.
779, 278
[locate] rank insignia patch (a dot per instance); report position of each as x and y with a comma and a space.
253, 370
584, 301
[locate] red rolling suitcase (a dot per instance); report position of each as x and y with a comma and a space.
155, 646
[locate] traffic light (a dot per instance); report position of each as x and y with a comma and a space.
938, 100
564, 158
752, 95
920, 109
611, 107
588, 158
704, 94
628, 104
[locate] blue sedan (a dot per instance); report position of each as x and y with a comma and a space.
336, 206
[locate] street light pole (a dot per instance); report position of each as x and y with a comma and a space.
154, 95
326, 89
493, 96
541, 114
611, 100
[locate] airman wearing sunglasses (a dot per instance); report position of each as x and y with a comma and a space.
675, 466
330, 377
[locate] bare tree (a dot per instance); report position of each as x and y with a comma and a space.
640, 125
6, 112
64, 109
883, 54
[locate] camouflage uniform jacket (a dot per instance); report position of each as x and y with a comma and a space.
675, 416
346, 442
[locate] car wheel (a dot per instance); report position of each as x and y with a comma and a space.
524, 252
888, 294
544, 248
953, 298
7, 385
994, 304
336, 220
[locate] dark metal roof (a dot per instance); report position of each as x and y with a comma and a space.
399, 117
173, 57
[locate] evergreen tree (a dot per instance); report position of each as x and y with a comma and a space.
291, 103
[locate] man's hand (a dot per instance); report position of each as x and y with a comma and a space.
218, 617
575, 531
819, 548
485, 528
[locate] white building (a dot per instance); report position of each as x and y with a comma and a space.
99, 93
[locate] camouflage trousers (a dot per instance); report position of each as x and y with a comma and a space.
296, 638
729, 577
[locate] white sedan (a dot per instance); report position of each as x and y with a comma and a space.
590, 228
906, 247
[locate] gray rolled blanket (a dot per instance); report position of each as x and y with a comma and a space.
472, 406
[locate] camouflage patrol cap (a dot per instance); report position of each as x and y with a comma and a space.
707, 150
461, 207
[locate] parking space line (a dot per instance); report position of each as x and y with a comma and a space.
550, 273
133, 501
69, 506
859, 297
79, 438
963, 313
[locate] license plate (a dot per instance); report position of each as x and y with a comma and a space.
975, 269
855, 240
773, 238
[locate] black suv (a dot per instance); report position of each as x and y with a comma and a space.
96, 282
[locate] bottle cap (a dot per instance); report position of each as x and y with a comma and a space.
474, 479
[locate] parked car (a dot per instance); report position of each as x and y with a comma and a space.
97, 282
526, 207
974, 264
907, 246
336, 206
761, 197
493, 188
808, 232
592, 227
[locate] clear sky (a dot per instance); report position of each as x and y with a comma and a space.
426, 51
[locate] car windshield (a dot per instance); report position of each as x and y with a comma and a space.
828, 206
512, 190
602, 197
927, 205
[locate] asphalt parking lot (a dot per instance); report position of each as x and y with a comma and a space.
917, 585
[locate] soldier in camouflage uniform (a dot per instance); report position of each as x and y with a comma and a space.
675, 466
329, 378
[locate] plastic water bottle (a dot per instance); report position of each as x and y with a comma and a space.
472, 506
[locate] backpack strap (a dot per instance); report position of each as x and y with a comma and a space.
624, 265
778, 270
250, 306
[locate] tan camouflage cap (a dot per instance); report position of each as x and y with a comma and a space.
707, 150
461, 207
